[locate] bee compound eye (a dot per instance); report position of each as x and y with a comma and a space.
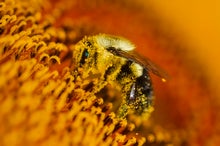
84, 56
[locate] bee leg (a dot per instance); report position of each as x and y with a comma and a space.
125, 78
128, 97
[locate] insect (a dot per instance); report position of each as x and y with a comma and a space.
113, 60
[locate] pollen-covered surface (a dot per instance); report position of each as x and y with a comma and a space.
40, 104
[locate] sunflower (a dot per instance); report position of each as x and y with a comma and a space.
42, 104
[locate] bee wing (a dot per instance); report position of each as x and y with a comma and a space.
143, 61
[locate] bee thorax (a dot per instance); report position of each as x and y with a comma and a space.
116, 42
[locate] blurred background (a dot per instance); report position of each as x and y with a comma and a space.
196, 24
199, 24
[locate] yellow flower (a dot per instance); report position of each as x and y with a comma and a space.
39, 102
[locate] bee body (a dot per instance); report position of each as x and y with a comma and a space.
109, 59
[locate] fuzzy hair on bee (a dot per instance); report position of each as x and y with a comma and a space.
112, 60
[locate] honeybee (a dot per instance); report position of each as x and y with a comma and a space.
112, 60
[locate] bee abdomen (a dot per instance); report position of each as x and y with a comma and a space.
140, 97
144, 87
125, 71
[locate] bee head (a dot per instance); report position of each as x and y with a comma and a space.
85, 56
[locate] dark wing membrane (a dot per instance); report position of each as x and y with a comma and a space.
143, 61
